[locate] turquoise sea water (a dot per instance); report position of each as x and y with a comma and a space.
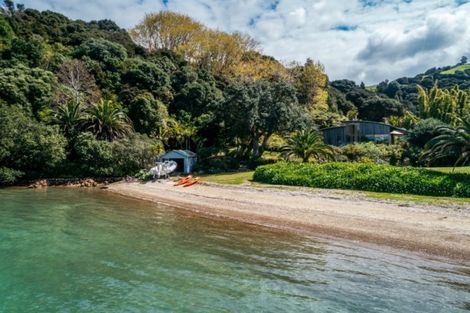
86, 251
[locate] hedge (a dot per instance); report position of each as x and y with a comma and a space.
367, 177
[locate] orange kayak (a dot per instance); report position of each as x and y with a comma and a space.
192, 182
183, 181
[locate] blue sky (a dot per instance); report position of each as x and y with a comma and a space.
362, 40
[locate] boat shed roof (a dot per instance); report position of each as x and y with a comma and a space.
182, 153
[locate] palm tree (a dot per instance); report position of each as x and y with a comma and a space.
69, 116
451, 142
306, 144
107, 120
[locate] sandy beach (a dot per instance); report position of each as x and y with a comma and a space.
435, 230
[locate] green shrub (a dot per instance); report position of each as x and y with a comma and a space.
118, 158
9, 176
144, 175
275, 143
27, 145
368, 177
371, 153
134, 153
417, 138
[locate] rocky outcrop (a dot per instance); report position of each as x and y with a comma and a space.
39, 184
72, 182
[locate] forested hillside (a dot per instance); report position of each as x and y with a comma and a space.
405, 89
89, 98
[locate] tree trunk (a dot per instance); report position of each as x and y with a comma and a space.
264, 145
305, 158
254, 144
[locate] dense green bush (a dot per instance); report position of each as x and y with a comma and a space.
133, 153
118, 158
424, 131
94, 156
148, 114
9, 176
6, 34
370, 153
27, 145
33, 89
104, 60
146, 76
368, 177
416, 140
30, 51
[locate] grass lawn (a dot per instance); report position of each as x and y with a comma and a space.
415, 198
238, 178
456, 69
234, 178
457, 170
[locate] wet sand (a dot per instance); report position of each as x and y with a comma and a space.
436, 230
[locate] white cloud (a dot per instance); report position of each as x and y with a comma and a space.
382, 40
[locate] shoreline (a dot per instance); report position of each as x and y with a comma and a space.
425, 229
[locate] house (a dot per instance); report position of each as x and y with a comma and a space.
185, 159
362, 131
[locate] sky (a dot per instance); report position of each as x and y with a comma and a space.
361, 40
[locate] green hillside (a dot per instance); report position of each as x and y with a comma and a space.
85, 100
460, 68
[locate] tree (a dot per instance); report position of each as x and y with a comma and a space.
70, 117
32, 89
337, 102
165, 30
74, 75
107, 121
311, 83
148, 115
256, 66
30, 51
463, 60
416, 140
197, 95
213, 49
220, 51
424, 131
109, 54
121, 157
278, 112
376, 109
306, 144
147, 76
27, 145
443, 104
254, 110
104, 59
451, 142
6, 34
239, 114
408, 120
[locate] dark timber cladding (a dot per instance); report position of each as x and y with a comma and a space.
360, 131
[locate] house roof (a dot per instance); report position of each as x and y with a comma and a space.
345, 123
182, 153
